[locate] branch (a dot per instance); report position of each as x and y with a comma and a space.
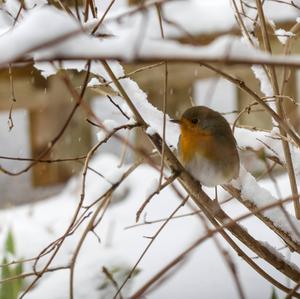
205, 203
280, 110
293, 245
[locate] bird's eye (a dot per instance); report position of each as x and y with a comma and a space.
194, 121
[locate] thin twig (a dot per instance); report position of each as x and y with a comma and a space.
138, 294
160, 187
227, 258
61, 240
109, 275
294, 245
152, 239
12, 98
165, 97
88, 228
103, 17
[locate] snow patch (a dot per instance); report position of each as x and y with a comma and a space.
110, 124
283, 35
101, 135
253, 192
93, 82
151, 131
265, 84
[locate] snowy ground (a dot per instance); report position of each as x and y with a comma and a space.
203, 275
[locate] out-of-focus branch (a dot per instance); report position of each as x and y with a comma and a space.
280, 110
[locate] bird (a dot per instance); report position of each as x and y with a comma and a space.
206, 146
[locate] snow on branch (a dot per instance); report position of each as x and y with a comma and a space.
65, 39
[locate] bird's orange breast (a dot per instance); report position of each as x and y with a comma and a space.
193, 142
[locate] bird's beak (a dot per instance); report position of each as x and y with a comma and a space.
176, 121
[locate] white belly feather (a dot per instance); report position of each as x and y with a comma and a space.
205, 172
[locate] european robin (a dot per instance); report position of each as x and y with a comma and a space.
206, 147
